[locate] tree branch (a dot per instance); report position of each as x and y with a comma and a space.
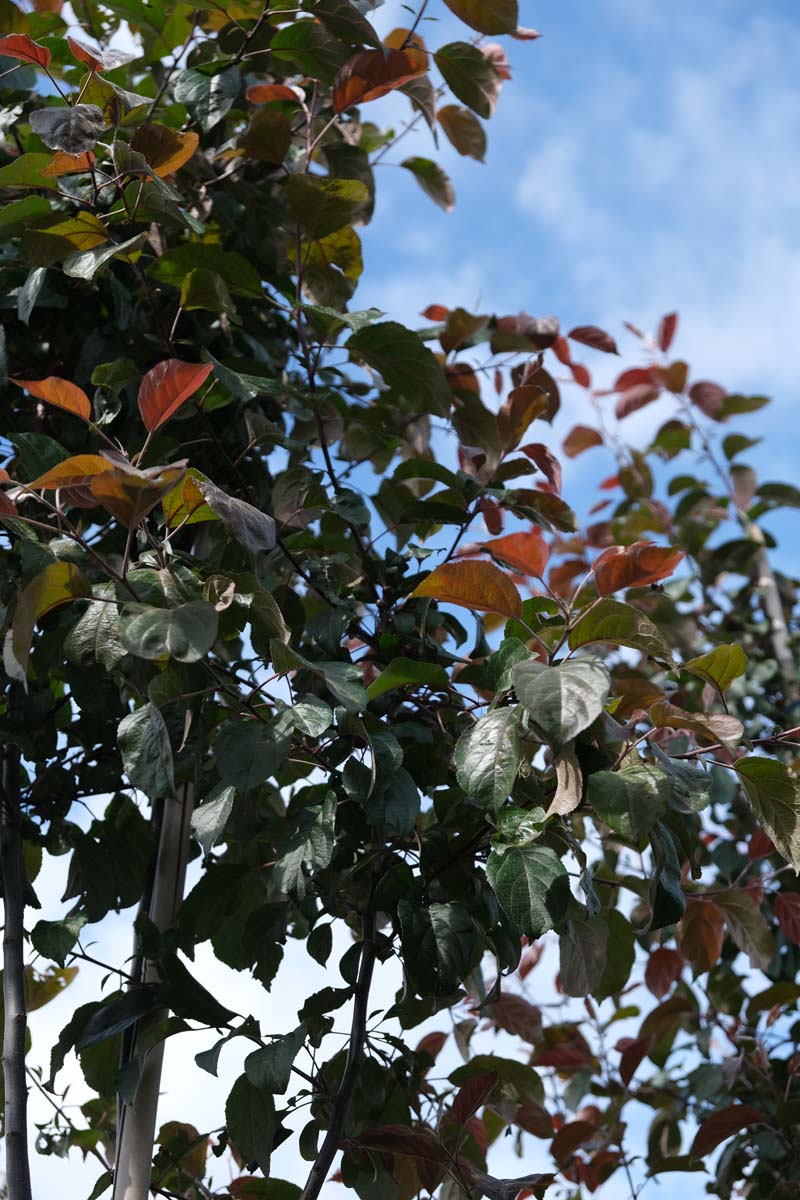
18, 1175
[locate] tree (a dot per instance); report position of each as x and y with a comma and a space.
243, 619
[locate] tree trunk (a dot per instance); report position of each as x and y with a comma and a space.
18, 1175
137, 1121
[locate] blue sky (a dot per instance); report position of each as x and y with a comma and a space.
643, 159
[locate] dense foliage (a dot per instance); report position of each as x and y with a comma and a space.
260, 609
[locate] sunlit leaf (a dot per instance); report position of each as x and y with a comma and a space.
167, 386
74, 130
166, 150
634, 566
562, 700
22, 47
774, 795
370, 74
405, 363
527, 553
57, 584
620, 625
60, 393
719, 666
478, 586
99, 60
129, 494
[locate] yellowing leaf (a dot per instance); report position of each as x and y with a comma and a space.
166, 150
185, 504
478, 586
72, 471
130, 494
167, 386
713, 727
60, 393
68, 164
720, 666
55, 585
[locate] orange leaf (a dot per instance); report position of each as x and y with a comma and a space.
59, 392
701, 934
130, 494
19, 45
722, 1125
663, 969
165, 149
167, 386
370, 74
265, 93
478, 586
435, 312
72, 471
580, 438
68, 164
634, 566
525, 552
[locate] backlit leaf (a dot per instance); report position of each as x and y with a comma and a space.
527, 553
634, 566
60, 393
57, 584
166, 150
433, 181
20, 46
620, 625
470, 76
487, 16
129, 494
723, 1124
748, 926
719, 666
701, 934
580, 438
167, 386
99, 60
370, 74
598, 339
478, 586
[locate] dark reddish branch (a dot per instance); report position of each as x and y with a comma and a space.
18, 1175
355, 1053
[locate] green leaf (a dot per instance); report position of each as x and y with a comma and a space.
312, 716
487, 757
252, 1122
146, 752
562, 700
621, 954
248, 753
241, 276
26, 172
342, 679
94, 638
689, 787
532, 886
324, 206
719, 666
55, 939
748, 927
487, 16
464, 130
667, 900
470, 76
433, 180
402, 672
394, 803
270, 1068
86, 263
620, 624
208, 96
116, 1014
331, 322
630, 801
210, 818
206, 289
310, 48
23, 212
311, 842
29, 293
439, 943
583, 949
181, 992
185, 633
774, 795
405, 363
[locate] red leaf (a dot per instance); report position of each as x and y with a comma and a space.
701, 934
608, 484
370, 74
19, 45
497, 56
492, 515
526, 35
562, 351
568, 1139
98, 60
529, 959
666, 331
581, 375
663, 968
722, 1125
399, 1139
634, 398
265, 93
525, 552
634, 566
580, 438
7, 508
632, 1056
167, 386
787, 910
709, 397
546, 461
431, 1044
60, 393
591, 335
535, 1119
435, 312
633, 377
760, 845
516, 1015
473, 1095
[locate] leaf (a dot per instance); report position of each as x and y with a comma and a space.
251, 1122
313, 50
532, 886
185, 633
487, 16
20, 46
267, 93
166, 150
371, 74
71, 472
719, 666
748, 927
524, 552
667, 900
487, 757
433, 181
166, 387
787, 910
405, 363
580, 438
666, 331
27, 171
439, 945
634, 566
251, 528
129, 494
620, 625
723, 1124
55, 939
247, 752
324, 206
405, 1142
270, 1068
73, 130
60, 393
209, 97
478, 586
57, 584
146, 752
470, 76
94, 638
311, 842
342, 679
597, 339
629, 801
86, 263
463, 130
404, 672
582, 951
712, 727
210, 818
562, 700
662, 971
569, 783
185, 504
701, 935
99, 60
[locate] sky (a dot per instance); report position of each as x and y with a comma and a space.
643, 160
